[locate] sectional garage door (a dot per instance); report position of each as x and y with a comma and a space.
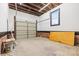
25, 30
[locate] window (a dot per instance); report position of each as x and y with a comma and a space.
55, 18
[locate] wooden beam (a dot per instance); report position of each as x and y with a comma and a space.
15, 4
27, 6
43, 7
29, 10
56, 4
12, 7
26, 9
15, 27
35, 5
50, 6
44, 4
32, 8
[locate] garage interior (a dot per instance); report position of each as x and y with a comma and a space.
30, 29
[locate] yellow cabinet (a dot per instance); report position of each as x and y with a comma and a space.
64, 37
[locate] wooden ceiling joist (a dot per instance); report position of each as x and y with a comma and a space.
36, 6
20, 10
27, 6
25, 9
44, 7
39, 6
33, 8
12, 7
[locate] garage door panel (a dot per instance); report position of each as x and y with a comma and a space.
25, 30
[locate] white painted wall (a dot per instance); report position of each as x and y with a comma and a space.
3, 16
20, 17
69, 19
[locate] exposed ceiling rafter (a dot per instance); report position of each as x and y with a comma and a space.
27, 6
44, 7
34, 8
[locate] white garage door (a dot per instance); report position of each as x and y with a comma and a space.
25, 30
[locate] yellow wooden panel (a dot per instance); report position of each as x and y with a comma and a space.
64, 37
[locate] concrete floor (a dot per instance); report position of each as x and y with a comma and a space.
42, 47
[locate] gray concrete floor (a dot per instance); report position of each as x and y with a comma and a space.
42, 47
